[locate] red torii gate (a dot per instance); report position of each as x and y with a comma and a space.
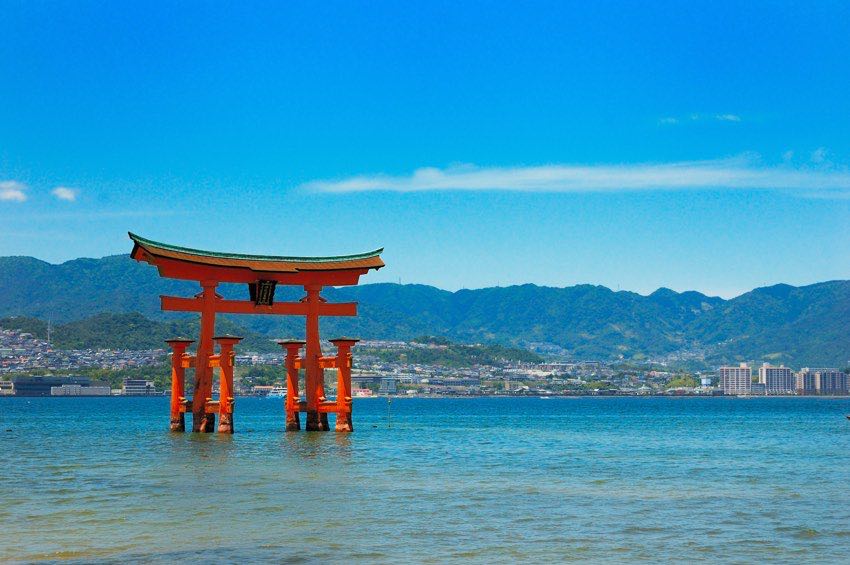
262, 274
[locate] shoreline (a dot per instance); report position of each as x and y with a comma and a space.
479, 396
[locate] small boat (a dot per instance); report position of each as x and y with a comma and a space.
277, 392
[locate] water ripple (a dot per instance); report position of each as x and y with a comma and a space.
481, 480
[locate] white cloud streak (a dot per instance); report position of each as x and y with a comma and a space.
673, 120
738, 173
65, 193
820, 155
12, 191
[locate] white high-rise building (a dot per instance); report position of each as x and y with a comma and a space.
821, 381
736, 380
805, 382
832, 381
777, 380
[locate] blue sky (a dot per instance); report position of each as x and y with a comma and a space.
688, 145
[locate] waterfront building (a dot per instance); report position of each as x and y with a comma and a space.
777, 380
821, 381
138, 387
388, 385
736, 380
42, 385
831, 381
7, 388
80, 390
805, 382
363, 381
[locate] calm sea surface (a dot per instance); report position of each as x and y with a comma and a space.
487, 480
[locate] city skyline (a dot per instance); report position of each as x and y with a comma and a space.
638, 148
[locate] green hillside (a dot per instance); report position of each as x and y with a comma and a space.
129, 331
789, 324
440, 351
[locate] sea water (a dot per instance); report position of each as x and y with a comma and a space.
430, 480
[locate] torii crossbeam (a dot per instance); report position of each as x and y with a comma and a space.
262, 274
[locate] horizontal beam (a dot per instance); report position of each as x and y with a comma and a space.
176, 269
327, 362
222, 306
333, 407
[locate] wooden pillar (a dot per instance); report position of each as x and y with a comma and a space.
226, 398
201, 421
178, 382
315, 389
293, 416
320, 391
343, 387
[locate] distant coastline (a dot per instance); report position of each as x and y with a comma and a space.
479, 396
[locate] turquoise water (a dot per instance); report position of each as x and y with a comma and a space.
486, 480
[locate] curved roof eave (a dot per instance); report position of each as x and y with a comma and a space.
147, 244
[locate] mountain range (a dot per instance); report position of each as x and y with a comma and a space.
781, 323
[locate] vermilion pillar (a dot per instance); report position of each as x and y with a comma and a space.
226, 399
178, 382
315, 389
292, 404
201, 421
343, 387
320, 391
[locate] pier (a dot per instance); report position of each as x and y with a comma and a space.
262, 274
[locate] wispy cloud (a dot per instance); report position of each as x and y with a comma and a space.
13, 191
65, 193
737, 173
820, 155
728, 117
673, 120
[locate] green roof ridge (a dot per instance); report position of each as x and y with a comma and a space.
143, 241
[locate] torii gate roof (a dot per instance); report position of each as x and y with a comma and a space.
195, 264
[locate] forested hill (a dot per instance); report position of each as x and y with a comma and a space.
794, 325
129, 331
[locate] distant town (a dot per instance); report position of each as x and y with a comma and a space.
32, 367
